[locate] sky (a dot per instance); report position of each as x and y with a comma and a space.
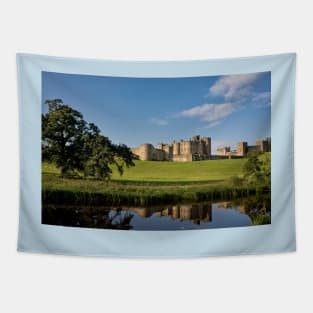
229, 108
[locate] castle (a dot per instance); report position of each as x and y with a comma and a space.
196, 149
261, 146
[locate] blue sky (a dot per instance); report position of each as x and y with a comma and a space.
228, 108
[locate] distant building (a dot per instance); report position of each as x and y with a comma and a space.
196, 149
223, 151
261, 146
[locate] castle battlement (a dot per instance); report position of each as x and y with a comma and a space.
196, 149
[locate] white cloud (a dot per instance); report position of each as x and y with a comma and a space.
262, 99
237, 91
159, 121
234, 87
211, 113
213, 124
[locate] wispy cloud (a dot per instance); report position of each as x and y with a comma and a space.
262, 99
211, 113
234, 87
159, 121
235, 93
213, 124
240, 89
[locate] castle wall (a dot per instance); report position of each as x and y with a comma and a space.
242, 148
187, 157
196, 149
185, 150
207, 145
185, 147
136, 152
168, 149
223, 151
176, 148
263, 146
252, 149
145, 151
158, 155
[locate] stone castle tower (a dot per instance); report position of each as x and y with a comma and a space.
196, 149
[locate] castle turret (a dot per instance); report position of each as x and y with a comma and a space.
263, 145
160, 146
176, 148
145, 151
196, 138
185, 147
207, 145
242, 148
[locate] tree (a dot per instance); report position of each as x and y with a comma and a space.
73, 144
103, 154
63, 129
252, 168
123, 157
257, 169
266, 168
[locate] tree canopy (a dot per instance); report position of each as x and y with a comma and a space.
257, 169
73, 144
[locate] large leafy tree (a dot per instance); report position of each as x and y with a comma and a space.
72, 144
63, 130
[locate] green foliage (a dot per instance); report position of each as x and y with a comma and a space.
148, 183
236, 181
123, 157
73, 145
252, 168
98, 192
260, 218
266, 168
62, 136
257, 169
100, 157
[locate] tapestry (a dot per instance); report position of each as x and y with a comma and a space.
156, 159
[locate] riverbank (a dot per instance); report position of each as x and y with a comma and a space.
150, 183
92, 192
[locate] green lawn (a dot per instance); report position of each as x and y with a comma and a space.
182, 171
148, 182
153, 171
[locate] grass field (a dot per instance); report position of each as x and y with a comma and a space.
152, 171
147, 183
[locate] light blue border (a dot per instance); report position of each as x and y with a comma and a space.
274, 238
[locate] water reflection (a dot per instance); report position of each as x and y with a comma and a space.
92, 217
241, 212
195, 213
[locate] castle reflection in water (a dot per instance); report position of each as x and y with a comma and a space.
195, 213
241, 212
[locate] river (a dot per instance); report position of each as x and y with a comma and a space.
186, 216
